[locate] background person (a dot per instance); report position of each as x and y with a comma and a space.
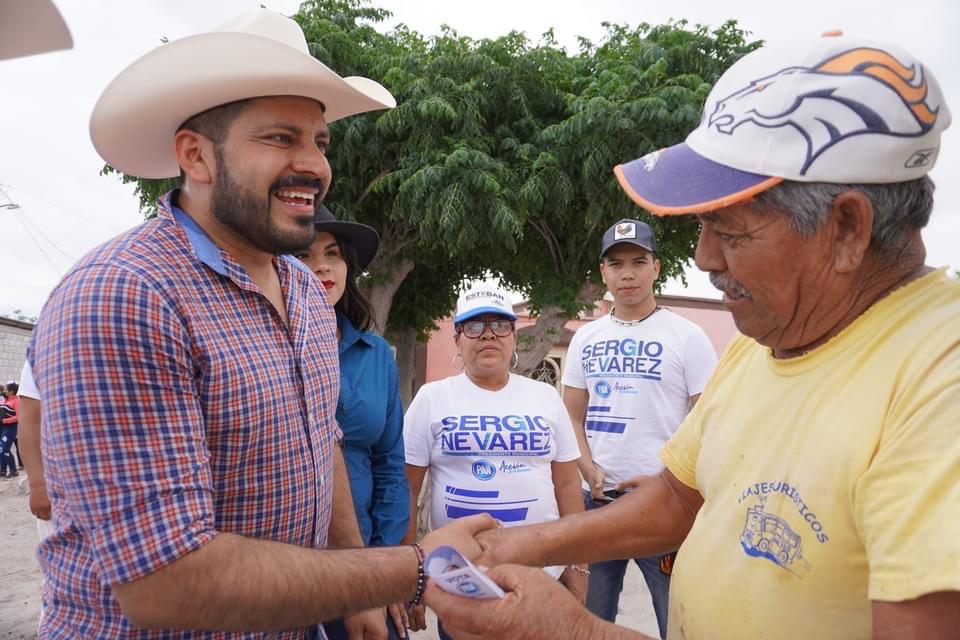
493, 442
8, 431
629, 379
814, 486
368, 411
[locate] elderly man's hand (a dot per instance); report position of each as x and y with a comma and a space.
536, 607
460, 534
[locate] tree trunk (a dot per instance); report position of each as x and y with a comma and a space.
405, 343
534, 342
382, 291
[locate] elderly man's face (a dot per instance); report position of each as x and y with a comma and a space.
772, 279
272, 173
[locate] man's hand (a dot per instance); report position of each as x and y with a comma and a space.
398, 616
594, 478
505, 546
370, 624
631, 483
460, 534
535, 607
576, 582
39, 501
416, 617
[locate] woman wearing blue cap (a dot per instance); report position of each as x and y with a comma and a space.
369, 411
493, 441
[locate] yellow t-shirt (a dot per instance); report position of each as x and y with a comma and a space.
829, 480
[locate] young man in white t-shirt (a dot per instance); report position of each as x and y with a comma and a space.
629, 380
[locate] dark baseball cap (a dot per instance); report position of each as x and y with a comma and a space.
629, 231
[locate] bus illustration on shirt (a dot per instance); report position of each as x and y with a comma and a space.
768, 536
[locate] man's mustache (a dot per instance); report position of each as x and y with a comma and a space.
289, 182
729, 285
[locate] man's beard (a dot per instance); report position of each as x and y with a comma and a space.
243, 212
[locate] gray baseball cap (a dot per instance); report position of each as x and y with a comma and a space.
630, 232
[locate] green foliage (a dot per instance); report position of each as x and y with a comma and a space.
637, 91
498, 158
147, 191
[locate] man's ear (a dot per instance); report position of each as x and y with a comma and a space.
195, 156
851, 216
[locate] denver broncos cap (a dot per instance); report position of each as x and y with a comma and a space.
630, 232
834, 110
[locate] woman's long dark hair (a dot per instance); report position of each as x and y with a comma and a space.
353, 304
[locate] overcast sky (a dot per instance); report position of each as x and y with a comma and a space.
49, 167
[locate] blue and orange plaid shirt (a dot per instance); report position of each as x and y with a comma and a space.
176, 404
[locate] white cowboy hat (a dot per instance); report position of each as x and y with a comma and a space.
258, 54
28, 27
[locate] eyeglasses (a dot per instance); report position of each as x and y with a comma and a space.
475, 328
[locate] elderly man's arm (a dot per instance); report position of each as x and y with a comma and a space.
935, 615
653, 518
535, 607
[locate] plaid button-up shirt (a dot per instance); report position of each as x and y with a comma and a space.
176, 404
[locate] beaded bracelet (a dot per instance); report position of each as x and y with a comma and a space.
421, 575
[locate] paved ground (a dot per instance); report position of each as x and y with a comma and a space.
20, 575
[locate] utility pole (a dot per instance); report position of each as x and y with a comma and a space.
6, 202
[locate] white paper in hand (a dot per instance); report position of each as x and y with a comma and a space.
455, 574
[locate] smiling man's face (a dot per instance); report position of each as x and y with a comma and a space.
272, 172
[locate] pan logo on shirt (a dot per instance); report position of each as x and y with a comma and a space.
483, 470
626, 358
767, 534
602, 388
509, 435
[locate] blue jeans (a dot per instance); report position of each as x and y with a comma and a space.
8, 433
337, 631
606, 582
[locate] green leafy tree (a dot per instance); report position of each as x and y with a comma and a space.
497, 159
639, 90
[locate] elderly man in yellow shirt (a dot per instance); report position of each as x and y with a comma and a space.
815, 487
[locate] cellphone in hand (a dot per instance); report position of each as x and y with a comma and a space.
609, 495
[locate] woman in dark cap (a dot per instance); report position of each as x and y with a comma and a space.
369, 410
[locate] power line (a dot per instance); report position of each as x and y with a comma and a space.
64, 209
42, 252
24, 220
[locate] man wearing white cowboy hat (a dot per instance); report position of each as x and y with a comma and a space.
814, 487
145, 349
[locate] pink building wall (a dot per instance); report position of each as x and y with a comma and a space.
709, 314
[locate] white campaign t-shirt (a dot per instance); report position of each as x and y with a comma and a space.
489, 451
640, 379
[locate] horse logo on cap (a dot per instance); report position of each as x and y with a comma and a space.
861, 91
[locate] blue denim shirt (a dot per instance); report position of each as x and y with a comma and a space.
370, 415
